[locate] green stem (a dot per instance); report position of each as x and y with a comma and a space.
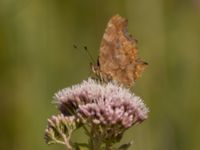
108, 146
96, 143
95, 140
66, 140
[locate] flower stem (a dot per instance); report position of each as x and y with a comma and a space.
95, 140
96, 144
66, 142
108, 146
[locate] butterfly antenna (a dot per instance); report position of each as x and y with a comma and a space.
89, 54
87, 51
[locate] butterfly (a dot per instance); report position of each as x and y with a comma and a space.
118, 58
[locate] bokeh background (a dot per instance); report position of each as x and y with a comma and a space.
37, 59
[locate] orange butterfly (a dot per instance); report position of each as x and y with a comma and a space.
118, 58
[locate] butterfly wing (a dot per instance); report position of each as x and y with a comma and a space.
118, 53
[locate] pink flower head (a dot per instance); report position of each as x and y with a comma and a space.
102, 104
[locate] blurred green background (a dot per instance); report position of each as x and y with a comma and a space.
37, 59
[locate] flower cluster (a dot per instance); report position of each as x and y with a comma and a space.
104, 110
100, 103
60, 127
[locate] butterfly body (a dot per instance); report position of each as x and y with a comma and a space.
118, 58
